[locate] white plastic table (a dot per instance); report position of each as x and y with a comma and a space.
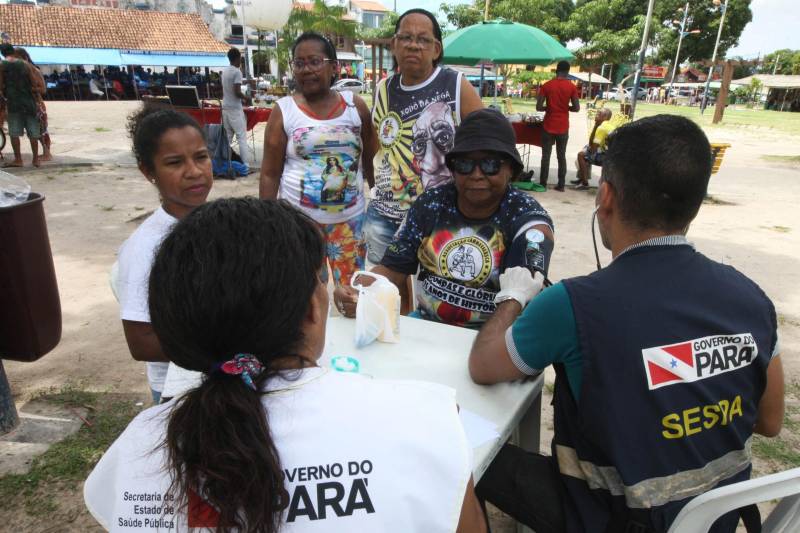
432, 352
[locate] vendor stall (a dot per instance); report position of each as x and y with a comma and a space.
118, 39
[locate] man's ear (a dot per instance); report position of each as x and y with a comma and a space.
606, 199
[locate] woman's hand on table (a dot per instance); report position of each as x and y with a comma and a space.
345, 299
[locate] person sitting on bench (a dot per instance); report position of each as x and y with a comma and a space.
592, 153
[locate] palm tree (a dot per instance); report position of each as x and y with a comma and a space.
324, 19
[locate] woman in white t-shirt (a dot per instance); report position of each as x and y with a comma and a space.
171, 152
269, 440
318, 149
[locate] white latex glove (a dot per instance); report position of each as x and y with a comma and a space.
517, 283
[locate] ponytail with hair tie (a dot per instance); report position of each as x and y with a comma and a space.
245, 365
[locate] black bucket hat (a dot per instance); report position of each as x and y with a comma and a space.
486, 130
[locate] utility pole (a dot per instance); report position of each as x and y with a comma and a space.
640, 62
722, 97
775, 66
724, 9
678, 53
244, 39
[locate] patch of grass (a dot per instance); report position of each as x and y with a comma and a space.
105, 207
101, 130
776, 449
735, 116
779, 229
792, 159
784, 320
69, 395
783, 449
71, 460
712, 200
550, 388
69, 170
51, 177
138, 208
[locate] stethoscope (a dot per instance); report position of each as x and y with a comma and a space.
594, 238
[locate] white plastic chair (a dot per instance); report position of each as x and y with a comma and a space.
700, 513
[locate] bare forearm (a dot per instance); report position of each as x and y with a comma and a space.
268, 187
491, 335
143, 342
369, 173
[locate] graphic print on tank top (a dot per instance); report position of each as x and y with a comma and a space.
416, 130
332, 153
459, 275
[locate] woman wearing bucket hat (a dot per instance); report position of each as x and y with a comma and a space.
462, 236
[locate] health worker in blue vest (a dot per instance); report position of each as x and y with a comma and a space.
666, 361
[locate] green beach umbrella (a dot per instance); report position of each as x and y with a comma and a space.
503, 41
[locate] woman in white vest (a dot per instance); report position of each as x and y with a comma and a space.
270, 441
318, 149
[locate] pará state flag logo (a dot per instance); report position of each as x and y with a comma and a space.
697, 359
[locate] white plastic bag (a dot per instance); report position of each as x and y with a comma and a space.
13, 190
377, 311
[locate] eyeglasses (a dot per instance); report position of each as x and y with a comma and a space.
422, 41
489, 165
315, 63
441, 133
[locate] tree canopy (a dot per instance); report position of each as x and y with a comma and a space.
610, 31
384, 31
787, 62
547, 15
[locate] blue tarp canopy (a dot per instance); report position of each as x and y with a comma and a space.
175, 60
50, 55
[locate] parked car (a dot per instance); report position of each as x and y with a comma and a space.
613, 93
680, 93
349, 84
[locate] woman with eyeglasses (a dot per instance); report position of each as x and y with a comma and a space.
318, 149
415, 113
466, 238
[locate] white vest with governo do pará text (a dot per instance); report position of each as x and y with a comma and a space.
358, 454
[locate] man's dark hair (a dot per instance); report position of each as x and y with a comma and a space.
234, 55
235, 276
562, 67
437, 30
327, 47
659, 167
6, 49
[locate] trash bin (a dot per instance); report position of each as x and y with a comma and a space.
30, 309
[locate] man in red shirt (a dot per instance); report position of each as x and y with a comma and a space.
556, 98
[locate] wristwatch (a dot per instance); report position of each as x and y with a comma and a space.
500, 298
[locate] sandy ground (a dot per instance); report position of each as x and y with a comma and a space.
96, 197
